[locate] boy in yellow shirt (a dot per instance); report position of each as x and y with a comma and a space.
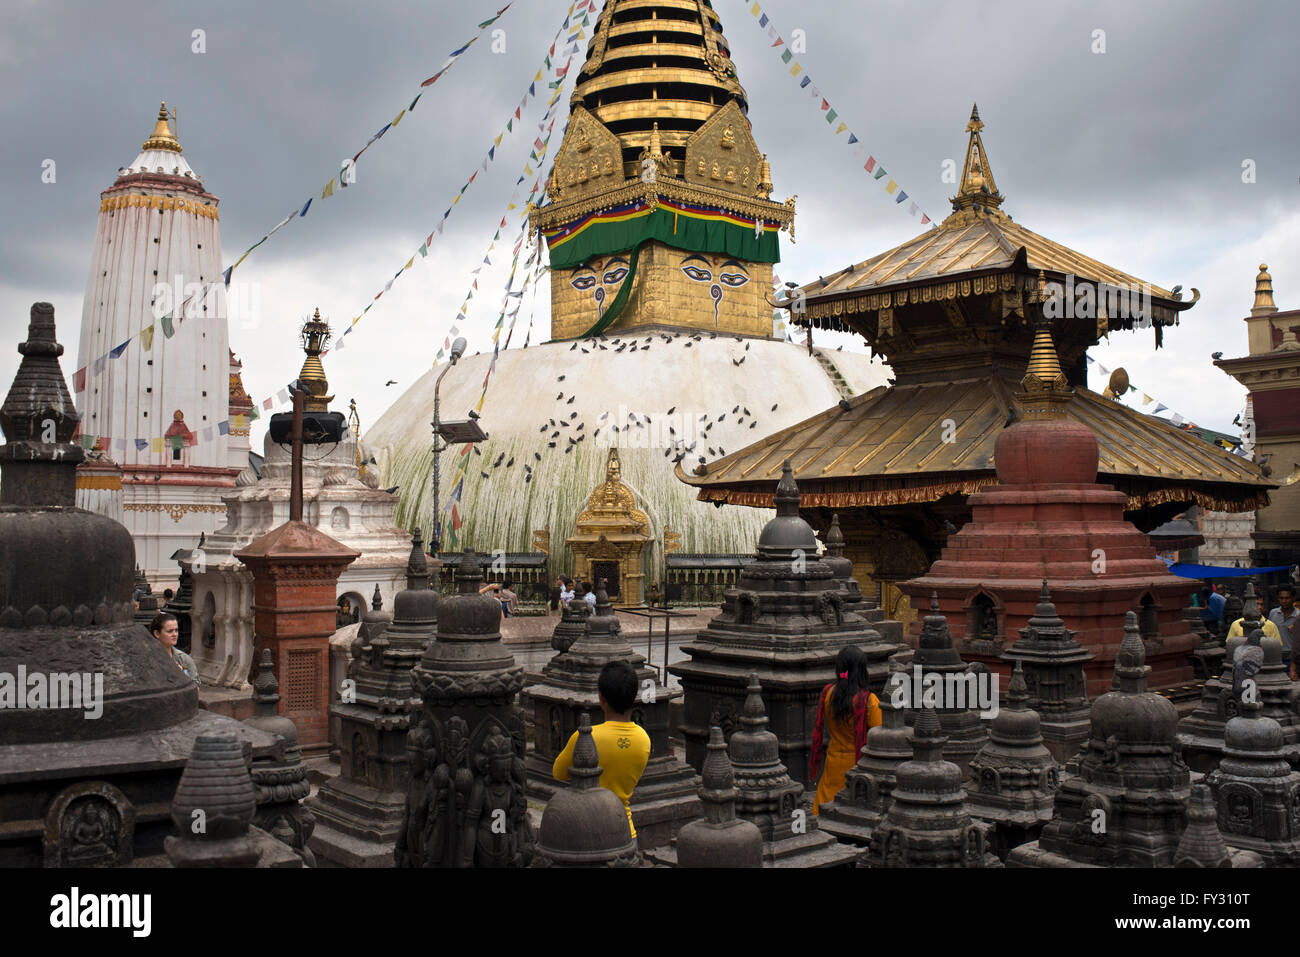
623, 745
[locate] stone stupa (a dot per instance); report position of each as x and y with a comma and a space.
566, 689
720, 838
80, 784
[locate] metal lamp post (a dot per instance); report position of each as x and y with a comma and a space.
439, 446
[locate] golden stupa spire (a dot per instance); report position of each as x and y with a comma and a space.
977, 189
1264, 304
315, 336
1045, 390
162, 137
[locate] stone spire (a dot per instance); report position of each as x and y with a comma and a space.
585, 825
869, 784
1255, 789
368, 801
771, 799
1014, 776
1203, 731
1264, 304
785, 619
935, 655
216, 789
567, 688
280, 778
467, 681
1123, 799
1054, 678
719, 839
977, 192
928, 823
38, 463
1202, 845
1045, 390
878, 629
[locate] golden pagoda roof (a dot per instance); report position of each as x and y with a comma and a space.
887, 448
977, 237
657, 60
162, 137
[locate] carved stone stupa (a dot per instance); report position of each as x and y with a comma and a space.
719, 839
1256, 790
855, 601
869, 784
85, 783
928, 823
1054, 677
585, 825
771, 799
1123, 800
1014, 777
566, 688
217, 793
473, 812
786, 620
1202, 732
361, 810
964, 733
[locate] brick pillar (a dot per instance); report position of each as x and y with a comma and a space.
295, 572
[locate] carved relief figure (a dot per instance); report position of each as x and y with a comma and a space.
496, 809
89, 833
421, 755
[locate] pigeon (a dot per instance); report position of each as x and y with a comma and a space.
543, 428
580, 438
604, 416
721, 450
390, 382
671, 431
1176, 292
477, 450
527, 479
511, 462
579, 426
570, 402
585, 351
688, 345
752, 424
747, 347
484, 474
538, 456
701, 459
736, 362
568, 449
1012, 416
667, 452
722, 417
735, 409
839, 349
949, 527
573, 416
393, 490
550, 445
844, 404
559, 397
704, 418
672, 410
500, 459
774, 405
646, 417
597, 432
527, 467
712, 453
747, 412
572, 347
1216, 355
633, 349
555, 433
552, 423
560, 379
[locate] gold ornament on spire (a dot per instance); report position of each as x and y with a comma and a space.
162, 137
977, 192
1264, 304
1045, 390
315, 337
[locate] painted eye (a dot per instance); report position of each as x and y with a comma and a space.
697, 274
615, 275
582, 283
733, 279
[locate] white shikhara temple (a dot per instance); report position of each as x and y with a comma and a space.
157, 383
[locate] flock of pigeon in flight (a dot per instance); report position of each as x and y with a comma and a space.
565, 431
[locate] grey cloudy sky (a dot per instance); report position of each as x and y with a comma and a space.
1133, 157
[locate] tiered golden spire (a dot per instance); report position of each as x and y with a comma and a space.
1264, 304
162, 137
1045, 390
977, 191
315, 336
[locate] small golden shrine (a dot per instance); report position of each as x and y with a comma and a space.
611, 537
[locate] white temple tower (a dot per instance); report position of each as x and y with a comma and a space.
155, 377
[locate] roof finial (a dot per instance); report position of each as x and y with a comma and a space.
1264, 304
977, 191
1045, 389
162, 137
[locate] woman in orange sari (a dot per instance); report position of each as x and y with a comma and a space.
846, 708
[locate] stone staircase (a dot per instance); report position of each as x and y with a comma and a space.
832, 373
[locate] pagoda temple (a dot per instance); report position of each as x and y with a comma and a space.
157, 384
954, 312
662, 233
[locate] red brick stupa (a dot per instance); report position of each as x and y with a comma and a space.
1048, 518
